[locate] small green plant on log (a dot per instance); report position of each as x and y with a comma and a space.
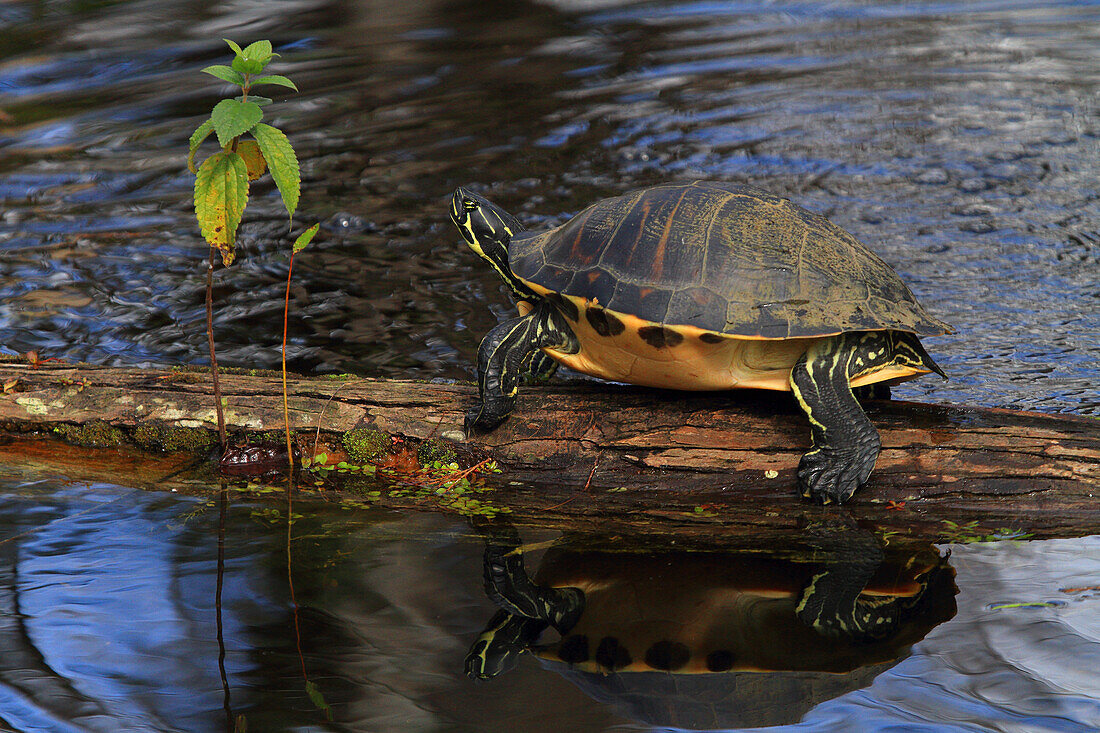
300, 243
221, 182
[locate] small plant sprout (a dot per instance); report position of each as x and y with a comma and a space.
221, 182
300, 243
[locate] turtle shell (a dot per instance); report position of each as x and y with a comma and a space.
730, 259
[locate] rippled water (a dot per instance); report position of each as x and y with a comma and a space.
110, 614
959, 140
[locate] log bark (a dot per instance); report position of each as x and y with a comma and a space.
613, 458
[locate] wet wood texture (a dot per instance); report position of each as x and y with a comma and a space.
679, 460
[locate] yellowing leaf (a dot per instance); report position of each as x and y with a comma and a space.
253, 158
221, 192
305, 238
282, 162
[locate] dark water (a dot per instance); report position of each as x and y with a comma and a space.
959, 140
110, 623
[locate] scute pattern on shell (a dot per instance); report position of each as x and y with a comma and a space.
722, 257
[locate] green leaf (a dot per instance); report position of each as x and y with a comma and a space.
305, 238
261, 101
236, 49
225, 74
258, 51
196, 140
247, 66
221, 193
276, 79
232, 118
318, 699
282, 162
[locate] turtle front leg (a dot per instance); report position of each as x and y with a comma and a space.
845, 443
505, 355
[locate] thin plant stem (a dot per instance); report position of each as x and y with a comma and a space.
290, 578
286, 408
210, 340
223, 504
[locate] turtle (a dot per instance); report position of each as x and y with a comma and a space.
704, 286
789, 621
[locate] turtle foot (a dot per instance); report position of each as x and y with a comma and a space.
480, 420
832, 475
499, 646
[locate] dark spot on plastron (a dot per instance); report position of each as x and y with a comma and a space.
720, 661
603, 322
612, 655
710, 338
565, 305
667, 655
659, 337
573, 649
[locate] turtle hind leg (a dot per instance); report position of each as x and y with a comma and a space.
504, 356
508, 585
845, 443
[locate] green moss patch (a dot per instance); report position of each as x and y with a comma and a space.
436, 450
159, 437
94, 434
365, 445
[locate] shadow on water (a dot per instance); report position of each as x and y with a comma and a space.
109, 600
958, 139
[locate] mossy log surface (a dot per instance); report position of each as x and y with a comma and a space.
603, 457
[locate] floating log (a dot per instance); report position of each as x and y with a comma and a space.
616, 457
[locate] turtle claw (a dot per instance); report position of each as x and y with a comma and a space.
832, 475
479, 421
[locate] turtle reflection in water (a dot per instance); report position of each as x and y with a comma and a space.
670, 635
704, 286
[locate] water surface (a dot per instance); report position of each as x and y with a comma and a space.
959, 140
110, 622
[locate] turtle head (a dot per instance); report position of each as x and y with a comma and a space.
488, 229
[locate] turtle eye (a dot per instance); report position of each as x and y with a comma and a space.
470, 205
